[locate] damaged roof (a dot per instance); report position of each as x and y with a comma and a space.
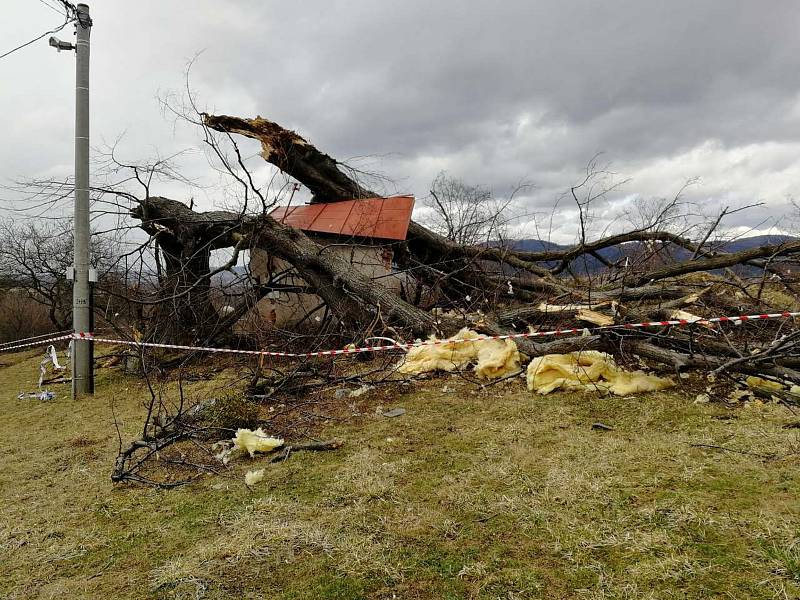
384, 218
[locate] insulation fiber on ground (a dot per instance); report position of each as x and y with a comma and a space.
494, 358
588, 370
254, 477
251, 442
497, 358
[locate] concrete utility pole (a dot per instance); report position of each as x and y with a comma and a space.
82, 367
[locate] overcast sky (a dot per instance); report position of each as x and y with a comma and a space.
493, 93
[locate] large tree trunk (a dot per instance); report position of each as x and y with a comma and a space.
185, 240
187, 237
429, 254
356, 299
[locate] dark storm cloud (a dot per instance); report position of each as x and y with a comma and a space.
492, 92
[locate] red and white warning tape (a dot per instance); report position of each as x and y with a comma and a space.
44, 342
48, 336
356, 350
510, 336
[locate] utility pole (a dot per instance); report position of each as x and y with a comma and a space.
82, 367
80, 273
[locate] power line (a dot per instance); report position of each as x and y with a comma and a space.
69, 7
51, 7
36, 39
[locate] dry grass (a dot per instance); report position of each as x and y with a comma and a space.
471, 494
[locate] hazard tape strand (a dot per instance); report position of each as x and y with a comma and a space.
49, 336
85, 336
406, 346
48, 341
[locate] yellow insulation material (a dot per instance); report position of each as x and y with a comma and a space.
450, 356
588, 370
766, 385
494, 358
255, 441
497, 358
253, 477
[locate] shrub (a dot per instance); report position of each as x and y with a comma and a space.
233, 412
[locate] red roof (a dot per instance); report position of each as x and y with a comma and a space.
385, 218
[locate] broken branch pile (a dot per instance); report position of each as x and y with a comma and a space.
649, 273
466, 292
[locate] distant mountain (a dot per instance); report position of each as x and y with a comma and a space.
756, 241
617, 253
534, 245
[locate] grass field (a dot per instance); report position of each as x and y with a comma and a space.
470, 494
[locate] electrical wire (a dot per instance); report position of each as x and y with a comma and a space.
69, 7
51, 7
36, 39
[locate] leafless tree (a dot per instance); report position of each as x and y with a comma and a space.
180, 242
35, 257
468, 214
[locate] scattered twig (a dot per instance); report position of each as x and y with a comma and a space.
723, 448
602, 426
501, 379
285, 452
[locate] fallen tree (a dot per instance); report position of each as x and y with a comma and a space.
648, 284
490, 288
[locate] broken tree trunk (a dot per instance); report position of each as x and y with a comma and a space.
328, 182
649, 289
436, 258
460, 270
293, 155
187, 237
184, 240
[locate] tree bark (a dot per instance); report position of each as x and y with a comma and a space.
328, 182
185, 240
187, 237
356, 299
